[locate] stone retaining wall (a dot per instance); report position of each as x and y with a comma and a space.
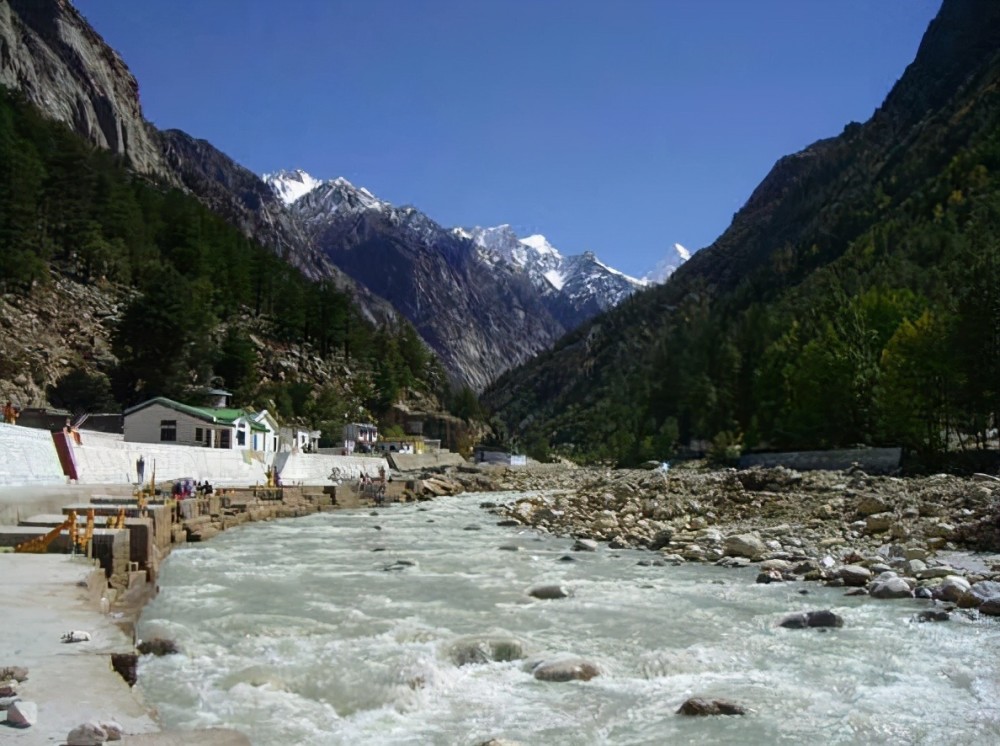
418, 461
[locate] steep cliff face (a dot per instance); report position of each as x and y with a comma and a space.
50, 53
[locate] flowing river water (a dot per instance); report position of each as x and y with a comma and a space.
309, 631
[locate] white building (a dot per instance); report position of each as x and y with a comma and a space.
359, 436
299, 440
163, 420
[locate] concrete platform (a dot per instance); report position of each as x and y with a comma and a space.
44, 596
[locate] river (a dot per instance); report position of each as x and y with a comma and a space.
310, 631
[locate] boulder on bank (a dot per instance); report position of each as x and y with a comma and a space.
744, 545
890, 585
698, 706
804, 619
952, 588
855, 576
565, 669
87, 734
585, 545
979, 593
22, 714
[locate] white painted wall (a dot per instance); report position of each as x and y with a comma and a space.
315, 468
102, 458
28, 456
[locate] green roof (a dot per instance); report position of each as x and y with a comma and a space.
215, 415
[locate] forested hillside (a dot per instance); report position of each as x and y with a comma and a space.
201, 302
854, 299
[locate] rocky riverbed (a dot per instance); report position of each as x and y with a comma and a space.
888, 537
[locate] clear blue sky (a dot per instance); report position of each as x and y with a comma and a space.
616, 127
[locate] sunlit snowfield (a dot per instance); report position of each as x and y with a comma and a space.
295, 632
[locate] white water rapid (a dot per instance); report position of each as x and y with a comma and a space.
295, 632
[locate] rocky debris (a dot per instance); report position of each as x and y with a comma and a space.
13, 673
804, 619
698, 706
549, 592
88, 734
470, 650
157, 646
565, 669
22, 714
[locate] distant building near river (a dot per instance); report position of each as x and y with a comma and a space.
162, 420
493, 455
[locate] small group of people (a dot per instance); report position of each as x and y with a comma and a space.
11, 413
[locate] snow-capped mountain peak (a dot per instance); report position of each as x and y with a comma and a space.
291, 185
541, 244
667, 266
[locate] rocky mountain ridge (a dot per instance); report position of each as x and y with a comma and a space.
479, 322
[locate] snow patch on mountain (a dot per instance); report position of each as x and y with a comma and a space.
667, 266
291, 185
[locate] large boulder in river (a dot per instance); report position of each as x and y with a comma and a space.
565, 669
486, 649
698, 706
585, 545
548, 592
804, 619
744, 545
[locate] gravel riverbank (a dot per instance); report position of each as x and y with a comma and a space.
932, 537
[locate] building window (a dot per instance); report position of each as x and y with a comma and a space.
168, 430
197, 434
241, 438
224, 439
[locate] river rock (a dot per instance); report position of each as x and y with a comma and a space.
585, 545
804, 619
878, 523
88, 734
76, 635
470, 650
508, 523
952, 588
565, 669
933, 615
157, 646
6, 702
744, 545
113, 729
549, 592
870, 505
855, 575
991, 607
941, 571
770, 576
22, 714
890, 587
979, 594
661, 539
697, 706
